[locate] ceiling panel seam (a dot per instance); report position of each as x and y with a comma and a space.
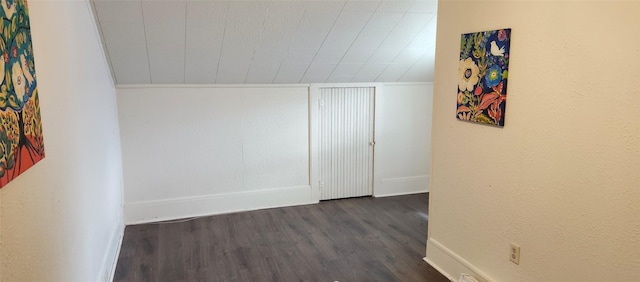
184, 61
323, 40
423, 55
146, 43
224, 32
415, 63
246, 76
379, 44
294, 43
353, 42
405, 47
304, 13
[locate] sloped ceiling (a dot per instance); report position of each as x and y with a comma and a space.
246, 42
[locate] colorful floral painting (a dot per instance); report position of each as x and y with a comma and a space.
482, 76
21, 143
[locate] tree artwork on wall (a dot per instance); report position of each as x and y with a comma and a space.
482, 76
21, 142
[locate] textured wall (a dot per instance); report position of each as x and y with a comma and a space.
61, 220
561, 178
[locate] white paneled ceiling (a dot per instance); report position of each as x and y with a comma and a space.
237, 42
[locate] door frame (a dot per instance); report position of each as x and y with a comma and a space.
314, 133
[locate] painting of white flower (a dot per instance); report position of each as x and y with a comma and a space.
483, 71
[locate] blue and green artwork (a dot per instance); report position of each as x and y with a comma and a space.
482, 76
21, 143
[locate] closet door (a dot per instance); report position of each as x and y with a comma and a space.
346, 119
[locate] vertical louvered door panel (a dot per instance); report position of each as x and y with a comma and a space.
346, 142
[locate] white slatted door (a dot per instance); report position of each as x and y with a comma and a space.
346, 117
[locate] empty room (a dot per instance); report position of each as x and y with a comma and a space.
201, 140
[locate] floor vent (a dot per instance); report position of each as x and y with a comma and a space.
467, 278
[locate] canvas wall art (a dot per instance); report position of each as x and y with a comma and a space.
21, 142
482, 76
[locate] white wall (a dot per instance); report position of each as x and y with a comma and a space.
62, 219
203, 150
561, 178
200, 150
403, 139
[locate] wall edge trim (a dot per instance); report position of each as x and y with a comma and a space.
101, 42
198, 206
407, 83
451, 264
406, 178
151, 86
401, 193
283, 85
110, 260
397, 186
436, 267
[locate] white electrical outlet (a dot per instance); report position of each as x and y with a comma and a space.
514, 256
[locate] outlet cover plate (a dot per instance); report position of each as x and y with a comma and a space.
514, 255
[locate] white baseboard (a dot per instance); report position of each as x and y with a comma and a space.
111, 257
169, 209
436, 267
401, 186
450, 264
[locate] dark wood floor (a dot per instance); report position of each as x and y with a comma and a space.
360, 239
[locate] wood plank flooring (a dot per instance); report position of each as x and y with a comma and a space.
359, 239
